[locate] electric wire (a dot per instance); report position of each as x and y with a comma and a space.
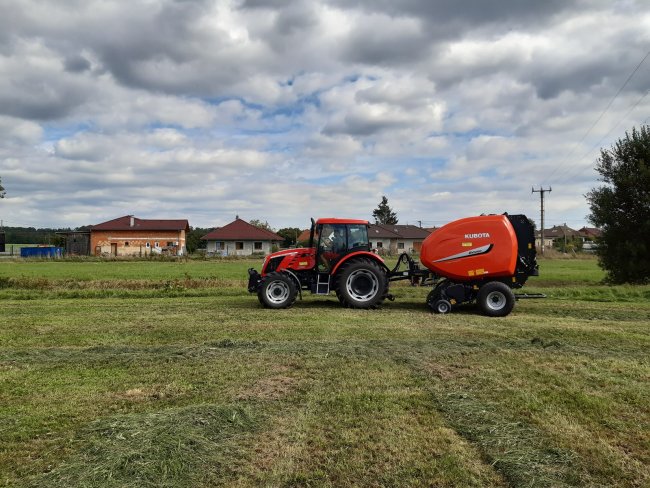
564, 160
575, 170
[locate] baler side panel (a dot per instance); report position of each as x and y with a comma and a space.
472, 249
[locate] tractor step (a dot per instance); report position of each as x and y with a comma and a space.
322, 284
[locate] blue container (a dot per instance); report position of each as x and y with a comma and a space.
41, 252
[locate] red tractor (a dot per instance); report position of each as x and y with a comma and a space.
475, 259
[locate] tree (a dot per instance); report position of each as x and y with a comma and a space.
193, 240
290, 235
621, 208
2, 189
261, 225
383, 214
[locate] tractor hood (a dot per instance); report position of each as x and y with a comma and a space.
294, 259
289, 252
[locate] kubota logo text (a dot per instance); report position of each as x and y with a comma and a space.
477, 236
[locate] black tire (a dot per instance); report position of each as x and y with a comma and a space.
277, 290
441, 306
496, 299
361, 283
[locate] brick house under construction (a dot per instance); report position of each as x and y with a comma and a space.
130, 236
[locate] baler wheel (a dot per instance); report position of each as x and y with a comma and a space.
496, 299
277, 290
361, 283
442, 306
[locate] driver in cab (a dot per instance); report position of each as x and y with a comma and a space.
333, 244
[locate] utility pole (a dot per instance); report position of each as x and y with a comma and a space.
541, 192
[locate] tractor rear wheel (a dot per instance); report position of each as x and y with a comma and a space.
277, 290
361, 283
496, 299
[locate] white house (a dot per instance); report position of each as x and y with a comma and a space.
239, 238
396, 238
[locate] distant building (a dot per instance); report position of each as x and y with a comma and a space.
396, 238
239, 238
565, 233
303, 237
589, 236
131, 236
590, 233
77, 242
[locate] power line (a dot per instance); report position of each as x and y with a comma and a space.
572, 169
599, 117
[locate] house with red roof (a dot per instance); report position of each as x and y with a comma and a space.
131, 236
239, 238
590, 233
303, 238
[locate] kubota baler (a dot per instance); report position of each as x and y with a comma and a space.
480, 258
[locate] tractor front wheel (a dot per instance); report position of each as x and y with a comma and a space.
277, 290
496, 299
362, 283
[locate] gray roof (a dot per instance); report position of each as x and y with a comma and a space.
397, 231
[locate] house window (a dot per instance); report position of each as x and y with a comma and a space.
147, 245
220, 246
380, 245
400, 245
126, 243
170, 244
239, 246
258, 246
156, 244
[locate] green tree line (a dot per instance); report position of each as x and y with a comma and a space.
31, 235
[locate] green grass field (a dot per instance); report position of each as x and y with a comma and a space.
169, 374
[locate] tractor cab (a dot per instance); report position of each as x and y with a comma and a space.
333, 239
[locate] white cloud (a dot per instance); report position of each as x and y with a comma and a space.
202, 110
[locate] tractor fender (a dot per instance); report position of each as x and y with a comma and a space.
357, 254
295, 278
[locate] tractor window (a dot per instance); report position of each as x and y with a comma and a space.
332, 237
357, 237
332, 244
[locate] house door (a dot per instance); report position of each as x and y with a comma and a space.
417, 246
114, 249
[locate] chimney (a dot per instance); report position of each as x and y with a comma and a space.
131, 221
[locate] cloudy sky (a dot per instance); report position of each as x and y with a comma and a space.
282, 110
